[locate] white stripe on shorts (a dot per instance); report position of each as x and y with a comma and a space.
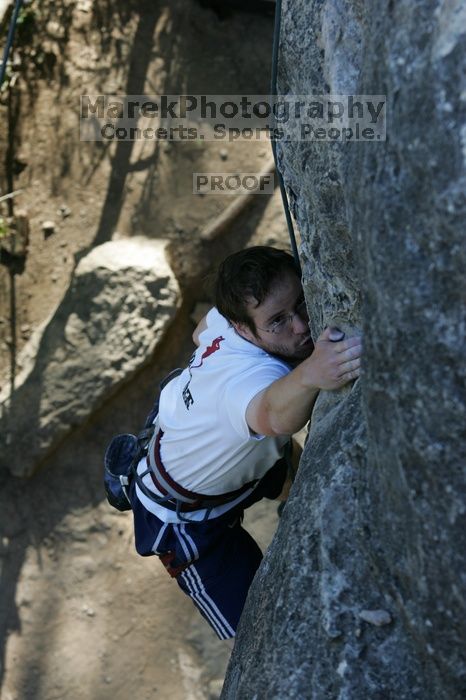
188, 555
205, 602
198, 591
191, 542
197, 598
159, 537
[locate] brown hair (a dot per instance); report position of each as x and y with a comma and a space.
248, 274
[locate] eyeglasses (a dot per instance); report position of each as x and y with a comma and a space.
283, 322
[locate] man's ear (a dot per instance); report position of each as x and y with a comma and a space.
244, 331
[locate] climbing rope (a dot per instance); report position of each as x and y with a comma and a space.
273, 90
9, 41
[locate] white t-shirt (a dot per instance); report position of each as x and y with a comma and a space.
207, 445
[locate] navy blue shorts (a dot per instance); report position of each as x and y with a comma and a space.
213, 561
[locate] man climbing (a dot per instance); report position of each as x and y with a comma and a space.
223, 427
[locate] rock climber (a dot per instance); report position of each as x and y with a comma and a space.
223, 427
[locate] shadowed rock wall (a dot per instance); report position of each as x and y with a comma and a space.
362, 593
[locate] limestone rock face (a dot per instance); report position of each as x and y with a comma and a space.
363, 591
122, 298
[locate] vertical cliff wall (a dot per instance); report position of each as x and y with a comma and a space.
362, 594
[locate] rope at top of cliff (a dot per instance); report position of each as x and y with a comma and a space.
273, 90
9, 40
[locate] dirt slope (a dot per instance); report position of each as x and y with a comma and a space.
81, 616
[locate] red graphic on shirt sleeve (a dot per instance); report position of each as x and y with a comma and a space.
212, 348
209, 350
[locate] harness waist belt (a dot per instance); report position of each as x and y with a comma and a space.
188, 500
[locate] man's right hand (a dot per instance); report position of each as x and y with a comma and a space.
285, 406
333, 362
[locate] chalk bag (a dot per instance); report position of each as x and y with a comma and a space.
119, 458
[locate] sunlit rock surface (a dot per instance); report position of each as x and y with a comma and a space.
122, 299
362, 593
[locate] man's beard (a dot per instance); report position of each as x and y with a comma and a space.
283, 351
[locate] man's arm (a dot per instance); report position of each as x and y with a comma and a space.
285, 406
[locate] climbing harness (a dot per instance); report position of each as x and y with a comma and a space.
121, 462
273, 91
185, 500
9, 41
